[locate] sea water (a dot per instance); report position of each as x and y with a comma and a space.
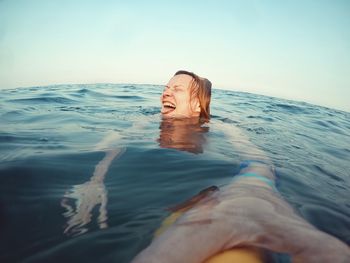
48, 155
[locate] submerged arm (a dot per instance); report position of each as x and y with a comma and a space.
254, 159
102, 167
91, 193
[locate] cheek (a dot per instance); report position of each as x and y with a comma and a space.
185, 108
182, 102
184, 99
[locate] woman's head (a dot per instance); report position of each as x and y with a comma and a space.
186, 95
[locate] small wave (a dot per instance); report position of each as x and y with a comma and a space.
59, 100
291, 108
129, 87
270, 110
12, 114
65, 108
322, 123
86, 91
149, 111
258, 130
269, 119
7, 138
342, 154
223, 119
330, 126
128, 97
83, 90
329, 174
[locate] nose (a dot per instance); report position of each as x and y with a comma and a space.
167, 92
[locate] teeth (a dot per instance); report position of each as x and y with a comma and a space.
167, 104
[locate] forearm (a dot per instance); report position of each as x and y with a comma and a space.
111, 152
102, 167
107, 141
253, 159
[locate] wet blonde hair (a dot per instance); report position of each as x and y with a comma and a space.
200, 88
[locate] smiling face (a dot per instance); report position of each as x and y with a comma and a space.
176, 98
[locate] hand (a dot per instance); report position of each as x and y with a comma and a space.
86, 196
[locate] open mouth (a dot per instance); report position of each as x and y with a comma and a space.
168, 107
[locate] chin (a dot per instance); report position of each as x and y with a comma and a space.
168, 116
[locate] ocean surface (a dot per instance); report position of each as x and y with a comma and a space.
53, 139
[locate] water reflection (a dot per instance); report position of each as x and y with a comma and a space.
182, 134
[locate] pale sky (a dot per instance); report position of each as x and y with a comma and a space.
298, 50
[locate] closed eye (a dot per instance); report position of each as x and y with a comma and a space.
176, 87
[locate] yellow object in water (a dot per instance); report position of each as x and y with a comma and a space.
235, 255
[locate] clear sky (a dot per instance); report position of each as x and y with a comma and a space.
297, 50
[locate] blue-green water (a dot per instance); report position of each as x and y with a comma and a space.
47, 155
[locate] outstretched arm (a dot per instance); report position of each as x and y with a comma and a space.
91, 193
